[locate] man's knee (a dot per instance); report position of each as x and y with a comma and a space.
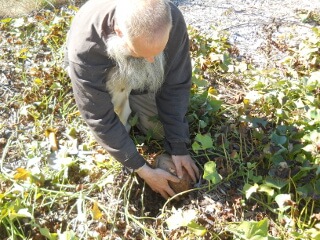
145, 107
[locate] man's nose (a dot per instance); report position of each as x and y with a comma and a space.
150, 59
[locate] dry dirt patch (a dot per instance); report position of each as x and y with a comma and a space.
253, 23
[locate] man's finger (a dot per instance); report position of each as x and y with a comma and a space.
172, 178
191, 173
170, 191
178, 169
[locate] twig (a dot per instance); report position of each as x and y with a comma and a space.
4, 153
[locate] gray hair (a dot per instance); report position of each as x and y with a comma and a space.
147, 18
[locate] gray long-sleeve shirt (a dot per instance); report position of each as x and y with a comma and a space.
88, 67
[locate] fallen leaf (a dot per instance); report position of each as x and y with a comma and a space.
21, 174
96, 213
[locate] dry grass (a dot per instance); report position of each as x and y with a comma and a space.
16, 8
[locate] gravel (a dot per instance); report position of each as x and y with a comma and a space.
251, 22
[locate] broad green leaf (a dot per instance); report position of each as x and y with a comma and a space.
199, 81
253, 230
265, 188
275, 182
197, 229
45, 232
210, 172
277, 139
249, 189
133, 120
309, 189
303, 171
277, 158
215, 104
196, 147
72, 132
226, 60
202, 124
56, 86
204, 140
258, 122
313, 233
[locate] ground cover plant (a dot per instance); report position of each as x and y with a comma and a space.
255, 136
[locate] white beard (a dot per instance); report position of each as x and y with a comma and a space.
134, 73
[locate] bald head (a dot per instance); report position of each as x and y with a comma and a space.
148, 19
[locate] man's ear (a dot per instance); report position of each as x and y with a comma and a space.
118, 31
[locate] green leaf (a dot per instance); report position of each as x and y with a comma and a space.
197, 229
215, 104
249, 189
277, 139
56, 86
313, 233
45, 232
204, 140
253, 230
314, 115
275, 182
202, 124
258, 122
265, 188
310, 189
6, 20
72, 132
210, 172
196, 147
199, 81
133, 120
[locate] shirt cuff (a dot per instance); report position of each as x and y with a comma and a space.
134, 162
177, 148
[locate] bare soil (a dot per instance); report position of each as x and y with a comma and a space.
252, 24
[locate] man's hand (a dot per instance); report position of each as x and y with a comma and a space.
158, 179
188, 164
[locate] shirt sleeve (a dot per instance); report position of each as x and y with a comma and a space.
173, 98
95, 106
